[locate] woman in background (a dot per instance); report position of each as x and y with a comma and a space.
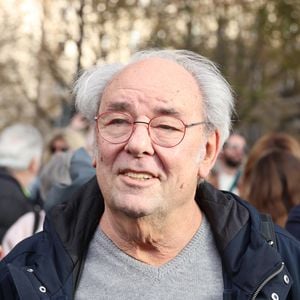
272, 175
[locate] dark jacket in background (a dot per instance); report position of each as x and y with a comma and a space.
48, 265
293, 222
13, 202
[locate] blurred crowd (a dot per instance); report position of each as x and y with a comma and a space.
267, 175
38, 172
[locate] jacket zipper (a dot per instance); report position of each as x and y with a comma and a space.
260, 287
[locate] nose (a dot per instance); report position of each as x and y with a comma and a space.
140, 141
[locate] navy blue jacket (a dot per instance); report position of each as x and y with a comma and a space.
48, 265
293, 222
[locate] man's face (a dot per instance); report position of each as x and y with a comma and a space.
234, 150
139, 178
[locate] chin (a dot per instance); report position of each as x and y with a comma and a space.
134, 214
133, 210
136, 206
137, 212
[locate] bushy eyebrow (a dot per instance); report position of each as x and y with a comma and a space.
124, 106
166, 111
118, 106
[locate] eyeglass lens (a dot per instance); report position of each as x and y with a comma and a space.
117, 128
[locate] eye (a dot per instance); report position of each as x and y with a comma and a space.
118, 121
167, 127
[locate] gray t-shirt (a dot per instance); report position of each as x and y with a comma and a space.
195, 273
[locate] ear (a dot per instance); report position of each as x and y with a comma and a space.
211, 152
34, 165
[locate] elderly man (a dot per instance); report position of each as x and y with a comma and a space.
21, 147
148, 226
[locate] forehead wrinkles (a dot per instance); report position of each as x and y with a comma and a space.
119, 93
164, 79
131, 99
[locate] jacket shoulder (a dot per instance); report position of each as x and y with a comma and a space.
293, 222
22, 253
288, 245
289, 250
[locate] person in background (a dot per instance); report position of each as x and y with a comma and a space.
62, 140
53, 172
274, 140
227, 171
75, 169
58, 143
148, 226
59, 178
21, 148
273, 186
285, 143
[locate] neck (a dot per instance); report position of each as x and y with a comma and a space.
24, 177
149, 241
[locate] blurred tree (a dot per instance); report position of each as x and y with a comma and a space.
255, 43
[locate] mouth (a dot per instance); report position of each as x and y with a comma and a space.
143, 176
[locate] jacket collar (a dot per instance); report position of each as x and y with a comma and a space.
76, 220
223, 212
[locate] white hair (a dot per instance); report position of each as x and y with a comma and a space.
218, 100
55, 172
90, 86
19, 144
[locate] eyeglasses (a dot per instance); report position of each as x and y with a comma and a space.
165, 131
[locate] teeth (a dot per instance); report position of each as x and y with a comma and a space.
140, 176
